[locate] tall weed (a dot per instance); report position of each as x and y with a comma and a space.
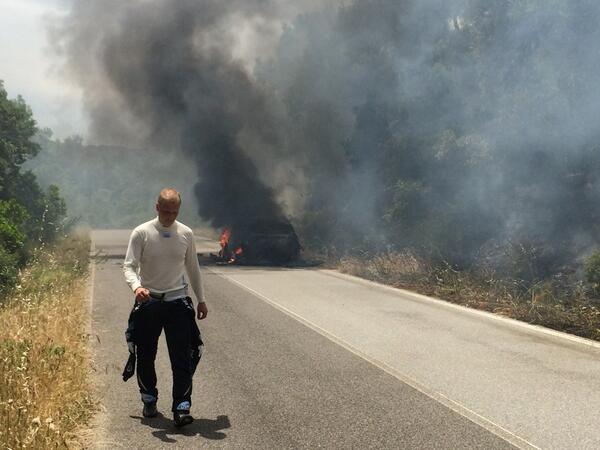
44, 394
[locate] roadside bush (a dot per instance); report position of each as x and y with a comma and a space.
12, 220
9, 271
12, 242
534, 260
592, 271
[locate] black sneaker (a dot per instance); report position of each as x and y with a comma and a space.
182, 417
150, 410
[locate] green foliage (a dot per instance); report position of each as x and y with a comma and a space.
12, 242
592, 271
28, 215
53, 210
9, 270
12, 220
17, 127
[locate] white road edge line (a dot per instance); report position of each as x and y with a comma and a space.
92, 279
96, 433
446, 304
455, 406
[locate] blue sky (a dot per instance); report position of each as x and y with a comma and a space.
28, 67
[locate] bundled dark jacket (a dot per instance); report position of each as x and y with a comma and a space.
196, 345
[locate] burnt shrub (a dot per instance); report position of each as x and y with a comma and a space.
526, 261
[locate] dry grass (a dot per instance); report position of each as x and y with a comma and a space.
44, 395
552, 303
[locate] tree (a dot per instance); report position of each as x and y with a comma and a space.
28, 214
17, 128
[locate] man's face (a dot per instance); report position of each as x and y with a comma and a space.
167, 212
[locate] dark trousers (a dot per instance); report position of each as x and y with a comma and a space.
174, 317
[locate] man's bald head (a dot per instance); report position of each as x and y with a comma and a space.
170, 196
167, 206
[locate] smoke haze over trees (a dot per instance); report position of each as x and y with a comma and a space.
103, 185
455, 128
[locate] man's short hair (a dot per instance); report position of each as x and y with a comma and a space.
169, 195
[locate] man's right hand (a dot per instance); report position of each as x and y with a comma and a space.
142, 294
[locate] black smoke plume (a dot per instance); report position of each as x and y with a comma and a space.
448, 126
162, 73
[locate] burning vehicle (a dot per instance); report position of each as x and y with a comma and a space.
272, 241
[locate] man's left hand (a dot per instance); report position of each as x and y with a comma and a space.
202, 311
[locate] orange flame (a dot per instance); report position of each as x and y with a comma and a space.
225, 235
235, 255
224, 253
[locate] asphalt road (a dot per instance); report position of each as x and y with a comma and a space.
312, 359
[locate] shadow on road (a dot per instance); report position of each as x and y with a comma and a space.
165, 429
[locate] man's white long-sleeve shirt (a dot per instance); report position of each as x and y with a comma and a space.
157, 257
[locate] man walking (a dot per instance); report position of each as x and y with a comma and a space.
159, 253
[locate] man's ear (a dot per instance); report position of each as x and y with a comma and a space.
157, 207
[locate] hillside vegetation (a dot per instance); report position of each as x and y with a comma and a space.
111, 186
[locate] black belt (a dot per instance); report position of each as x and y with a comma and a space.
157, 296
